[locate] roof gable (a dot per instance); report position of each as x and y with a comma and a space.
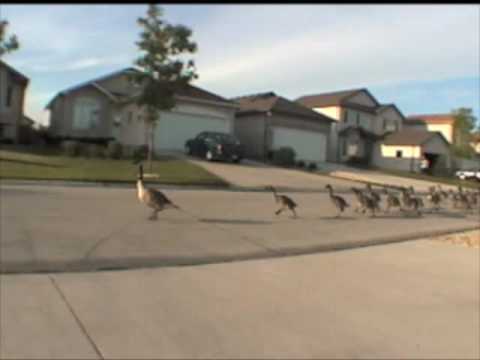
411, 137
363, 97
189, 91
334, 98
385, 107
22, 78
271, 102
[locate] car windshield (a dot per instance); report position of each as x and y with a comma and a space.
223, 138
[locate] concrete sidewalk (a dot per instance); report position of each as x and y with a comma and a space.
412, 300
343, 172
81, 229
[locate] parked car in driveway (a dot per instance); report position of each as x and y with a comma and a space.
471, 174
215, 146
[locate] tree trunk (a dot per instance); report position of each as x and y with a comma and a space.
150, 146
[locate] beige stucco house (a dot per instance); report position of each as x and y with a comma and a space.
13, 86
360, 120
375, 134
475, 143
104, 109
406, 149
443, 123
265, 122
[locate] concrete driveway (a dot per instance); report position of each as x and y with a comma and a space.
254, 174
53, 228
412, 300
342, 177
343, 172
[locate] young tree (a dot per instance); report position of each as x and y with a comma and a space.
465, 122
7, 44
163, 71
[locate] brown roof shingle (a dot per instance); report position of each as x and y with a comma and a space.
410, 137
270, 101
326, 99
189, 91
432, 118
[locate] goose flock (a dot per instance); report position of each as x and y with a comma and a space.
367, 200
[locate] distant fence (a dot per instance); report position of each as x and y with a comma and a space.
464, 164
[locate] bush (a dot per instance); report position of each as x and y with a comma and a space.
312, 166
300, 164
285, 156
358, 162
71, 148
114, 150
140, 154
94, 151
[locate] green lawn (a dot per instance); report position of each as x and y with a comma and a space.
440, 179
44, 164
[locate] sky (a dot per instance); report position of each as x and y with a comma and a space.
423, 58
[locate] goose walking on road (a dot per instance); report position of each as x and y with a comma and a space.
392, 200
435, 198
411, 202
152, 198
365, 202
338, 201
284, 201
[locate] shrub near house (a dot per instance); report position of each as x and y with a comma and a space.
284, 156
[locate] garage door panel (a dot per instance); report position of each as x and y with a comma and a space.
308, 145
173, 130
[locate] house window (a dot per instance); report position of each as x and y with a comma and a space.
9, 96
344, 147
345, 116
86, 114
399, 153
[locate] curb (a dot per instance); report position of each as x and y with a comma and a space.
131, 185
99, 265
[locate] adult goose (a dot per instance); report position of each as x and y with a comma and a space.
154, 199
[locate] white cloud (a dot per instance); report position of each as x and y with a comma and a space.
358, 46
291, 49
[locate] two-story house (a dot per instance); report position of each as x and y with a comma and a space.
360, 121
375, 134
13, 85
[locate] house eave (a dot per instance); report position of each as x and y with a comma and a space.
207, 102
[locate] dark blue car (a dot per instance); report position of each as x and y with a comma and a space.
215, 146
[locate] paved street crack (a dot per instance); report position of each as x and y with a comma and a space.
77, 319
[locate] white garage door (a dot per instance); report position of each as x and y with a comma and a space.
308, 145
173, 130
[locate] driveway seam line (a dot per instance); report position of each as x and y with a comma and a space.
77, 319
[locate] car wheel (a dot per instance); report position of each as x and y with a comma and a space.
237, 160
209, 155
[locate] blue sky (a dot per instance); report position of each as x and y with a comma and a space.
424, 58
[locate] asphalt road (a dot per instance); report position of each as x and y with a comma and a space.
53, 228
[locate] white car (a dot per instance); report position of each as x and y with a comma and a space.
468, 174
